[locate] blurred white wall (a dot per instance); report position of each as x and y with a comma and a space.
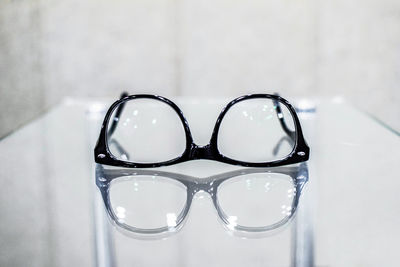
54, 48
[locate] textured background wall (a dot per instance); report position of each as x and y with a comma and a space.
50, 49
22, 91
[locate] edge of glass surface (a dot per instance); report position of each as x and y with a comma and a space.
382, 123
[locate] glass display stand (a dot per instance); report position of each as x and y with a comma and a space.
203, 241
348, 214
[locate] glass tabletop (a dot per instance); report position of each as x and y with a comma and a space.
52, 213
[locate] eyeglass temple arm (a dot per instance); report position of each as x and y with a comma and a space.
114, 124
118, 112
290, 134
302, 175
120, 149
275, 150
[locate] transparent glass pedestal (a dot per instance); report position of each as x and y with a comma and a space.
351, 178
348, 214
203, 240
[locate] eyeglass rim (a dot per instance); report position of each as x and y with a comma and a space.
300, 152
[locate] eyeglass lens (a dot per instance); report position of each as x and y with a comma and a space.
257, 200
147, 131
147, 202
256, 123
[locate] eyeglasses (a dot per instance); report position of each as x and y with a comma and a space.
259, 130
148, 202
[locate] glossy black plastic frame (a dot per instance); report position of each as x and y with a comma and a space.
192, 151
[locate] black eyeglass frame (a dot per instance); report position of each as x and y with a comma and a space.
192, 151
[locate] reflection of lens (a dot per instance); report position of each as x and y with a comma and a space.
252, 131
147, 202
257, 200
147, 131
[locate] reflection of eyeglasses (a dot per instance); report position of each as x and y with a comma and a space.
152, 202
258, 130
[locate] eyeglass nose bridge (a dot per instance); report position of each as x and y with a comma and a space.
201, 152
205, 185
